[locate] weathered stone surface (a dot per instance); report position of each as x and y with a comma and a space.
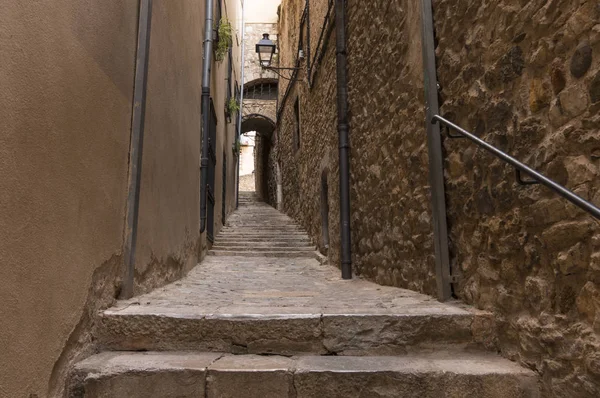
595, 88
412, 377
574, 101
216, 376
588, 304
392, 243
581, 60
538, 244
251, 376
148, 374
557, 77
539, 95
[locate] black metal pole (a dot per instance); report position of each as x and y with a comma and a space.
136, 148
436, 164
208, 45
343, 133
307, 55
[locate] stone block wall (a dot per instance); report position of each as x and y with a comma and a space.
303, 169
525, 76
391, 215
391, 223
252, 68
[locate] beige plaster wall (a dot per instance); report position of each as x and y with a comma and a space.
67, 75
169, 218
65, 114
226, 128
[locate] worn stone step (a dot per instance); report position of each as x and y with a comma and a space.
286, 331
256, 231
264, 242
265, 235
213, 375
279, 243
250, 232
291, 249
265, 227
278, 238
258, 253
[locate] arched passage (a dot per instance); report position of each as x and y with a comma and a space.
264, 158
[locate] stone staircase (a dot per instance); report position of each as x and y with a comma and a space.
258, 230
278, 324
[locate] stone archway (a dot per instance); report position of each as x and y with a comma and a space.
259, 115
264, 158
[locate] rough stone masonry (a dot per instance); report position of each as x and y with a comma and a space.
524, 76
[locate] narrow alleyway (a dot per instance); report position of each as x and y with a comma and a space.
261, 317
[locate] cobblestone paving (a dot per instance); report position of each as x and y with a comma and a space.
244, 285
253, 286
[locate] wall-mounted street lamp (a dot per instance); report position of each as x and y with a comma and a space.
265, 49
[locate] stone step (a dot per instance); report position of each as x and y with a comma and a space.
292, 249
266, 235
213, 375
261, 241
245, 327
272, 243
262, 227
271, 253
270, 230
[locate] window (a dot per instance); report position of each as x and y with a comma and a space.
261, 91
297, 124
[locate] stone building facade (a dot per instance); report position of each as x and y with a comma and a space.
67, 77
524, 76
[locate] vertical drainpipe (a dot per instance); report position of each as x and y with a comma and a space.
208, 47
436, 164
240, 113
307, 55
136, 148
343, 132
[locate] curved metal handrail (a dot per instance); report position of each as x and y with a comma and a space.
520, 167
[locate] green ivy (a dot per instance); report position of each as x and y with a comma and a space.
233, 106
225, 40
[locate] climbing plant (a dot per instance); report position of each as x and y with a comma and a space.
233, 106
225, 33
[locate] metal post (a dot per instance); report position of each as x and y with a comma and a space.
136, 147
436, 166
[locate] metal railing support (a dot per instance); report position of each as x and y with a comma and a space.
436, 166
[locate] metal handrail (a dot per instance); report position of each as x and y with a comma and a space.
520, 167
